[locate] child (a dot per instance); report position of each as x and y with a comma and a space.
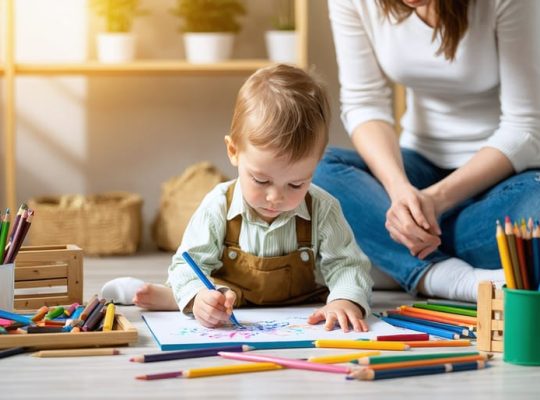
271, 237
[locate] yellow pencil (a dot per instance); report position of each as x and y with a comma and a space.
342, 358
77, 353
504, 255
229, 369
361, 344
108, 321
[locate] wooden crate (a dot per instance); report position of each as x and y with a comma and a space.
123, 333
48, 275
490, 318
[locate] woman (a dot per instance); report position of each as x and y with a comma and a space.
423, 207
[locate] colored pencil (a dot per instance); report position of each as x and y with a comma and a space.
360, 344
71, 309
433, 318
95, 317
460, 330
367, 374
77, 353
504, 256
16, 238
511, 240
342, 358
453, 303
40, 314
108, 320
440, 343
209, 285
535, 241
520, 248
4, 234
527, 244
421, 328
403, 337
287, 362
25, 223
450, 317
55, 312
373, 360
11, 352
15, 317
184, 354
425, 363
213, 371
446, 309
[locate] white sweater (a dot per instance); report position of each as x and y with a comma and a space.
488, 96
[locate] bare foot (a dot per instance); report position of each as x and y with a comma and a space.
155, 297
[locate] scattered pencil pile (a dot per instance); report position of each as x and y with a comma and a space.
10, 248
96, 316
519, 251
445, 319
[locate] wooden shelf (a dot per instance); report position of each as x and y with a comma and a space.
141, 67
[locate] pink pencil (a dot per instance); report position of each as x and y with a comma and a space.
287, 362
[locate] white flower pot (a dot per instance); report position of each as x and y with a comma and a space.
116, 48
281, 46
204, 48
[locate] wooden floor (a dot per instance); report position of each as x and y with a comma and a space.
108, 377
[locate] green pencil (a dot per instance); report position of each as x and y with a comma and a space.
410, 357
3, 235
446, 309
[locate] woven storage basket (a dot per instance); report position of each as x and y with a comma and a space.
102, 224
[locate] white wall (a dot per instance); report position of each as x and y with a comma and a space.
88, 135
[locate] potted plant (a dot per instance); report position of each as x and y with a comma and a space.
209, 27
281, 41
117, 43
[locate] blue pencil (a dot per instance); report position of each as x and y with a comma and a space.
449, 327
366, 374
191, 262
15, 317
421, 328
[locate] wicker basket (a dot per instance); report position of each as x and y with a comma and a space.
103, 224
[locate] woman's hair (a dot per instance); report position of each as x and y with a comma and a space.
284, 109
452, 22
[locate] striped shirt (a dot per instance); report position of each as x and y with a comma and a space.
340, 264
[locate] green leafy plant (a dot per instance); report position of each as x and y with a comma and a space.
209, 15
118, 14
283, 19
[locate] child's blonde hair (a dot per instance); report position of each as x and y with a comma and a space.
283, 108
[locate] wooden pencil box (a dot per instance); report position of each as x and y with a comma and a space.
123, 333
48, 275
490, 318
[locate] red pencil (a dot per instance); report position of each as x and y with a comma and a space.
163, 375
403, 337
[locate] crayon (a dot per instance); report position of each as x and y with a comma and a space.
45, 329
38, 316
108, 320
95, 317
71, 309
55, 312
89, 307
15, 317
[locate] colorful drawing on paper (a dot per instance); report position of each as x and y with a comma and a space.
263, 327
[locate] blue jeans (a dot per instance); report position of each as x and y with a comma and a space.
468, 230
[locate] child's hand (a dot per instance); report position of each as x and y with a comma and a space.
212, 307
342, 311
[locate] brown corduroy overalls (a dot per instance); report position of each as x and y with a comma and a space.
280, 280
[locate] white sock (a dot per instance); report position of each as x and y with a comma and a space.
121, 290
454, 279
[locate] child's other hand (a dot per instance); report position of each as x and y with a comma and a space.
343, 312
212, 307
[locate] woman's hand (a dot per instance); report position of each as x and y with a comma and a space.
212, 307
412, 221
341, 311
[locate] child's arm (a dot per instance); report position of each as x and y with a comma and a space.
345, 270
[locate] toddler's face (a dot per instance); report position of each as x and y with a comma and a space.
272, 185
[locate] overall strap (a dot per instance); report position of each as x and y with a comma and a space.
303, 226
232, 229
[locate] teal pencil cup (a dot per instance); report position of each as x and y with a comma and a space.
521, 327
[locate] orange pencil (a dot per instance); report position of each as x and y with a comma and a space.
40, 314
440, 343
520, 247
433, 318
454, 317
511, 240
504, 255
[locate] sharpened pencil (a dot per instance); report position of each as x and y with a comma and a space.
184, 354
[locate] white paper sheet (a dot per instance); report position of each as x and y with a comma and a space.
263, 328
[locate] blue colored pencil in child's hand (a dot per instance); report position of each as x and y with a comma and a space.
191, 262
